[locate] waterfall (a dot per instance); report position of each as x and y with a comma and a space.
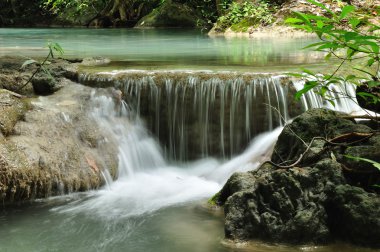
147, 180
197, 114
201, 114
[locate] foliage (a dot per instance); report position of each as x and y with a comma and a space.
246, 13
347, 37
53, 48
83, 10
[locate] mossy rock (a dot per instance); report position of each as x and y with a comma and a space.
12, 109
244, 25
170, 15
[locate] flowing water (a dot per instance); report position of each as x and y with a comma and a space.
158, 204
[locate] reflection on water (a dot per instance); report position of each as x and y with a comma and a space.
164, 47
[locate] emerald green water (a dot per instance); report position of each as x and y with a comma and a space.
169, 49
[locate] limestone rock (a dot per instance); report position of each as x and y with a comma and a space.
12, 109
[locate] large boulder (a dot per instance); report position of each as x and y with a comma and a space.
170, 14
324, 196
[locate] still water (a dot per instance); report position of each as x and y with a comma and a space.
169, 49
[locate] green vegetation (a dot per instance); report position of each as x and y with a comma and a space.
349, 38
241, 16
53, 47
213, 201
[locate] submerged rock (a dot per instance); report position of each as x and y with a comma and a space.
316, 200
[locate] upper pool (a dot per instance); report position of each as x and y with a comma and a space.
163, 48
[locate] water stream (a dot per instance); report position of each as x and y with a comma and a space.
158, 204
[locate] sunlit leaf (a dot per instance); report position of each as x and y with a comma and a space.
293, 21
29, 62
307, 87
346, 10
354, 22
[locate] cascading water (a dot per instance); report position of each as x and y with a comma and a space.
146, 181
202, 114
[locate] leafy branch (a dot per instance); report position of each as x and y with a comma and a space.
345, 37
53, 47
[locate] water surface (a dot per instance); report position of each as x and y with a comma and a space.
161, 48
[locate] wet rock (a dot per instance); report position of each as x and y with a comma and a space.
322, 123
44, 84
354, 215
321, 199
95, 61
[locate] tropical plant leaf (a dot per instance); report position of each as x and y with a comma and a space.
346, 10
29, 62
306, 88
374, 163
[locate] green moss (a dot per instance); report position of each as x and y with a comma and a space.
244, 25
214, 200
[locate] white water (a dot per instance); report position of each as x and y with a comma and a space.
146, 181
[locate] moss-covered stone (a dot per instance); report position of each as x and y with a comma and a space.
170, 14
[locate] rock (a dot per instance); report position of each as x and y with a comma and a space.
12, 109
280, 205
354, 215
313, 123
170, 14
95, 61
44, 84
316, 201
58, 148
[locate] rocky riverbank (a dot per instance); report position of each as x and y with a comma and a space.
49, 145
310, 191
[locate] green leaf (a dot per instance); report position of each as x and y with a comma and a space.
293, 21
331, 102
374, 163
346, 10
309, 72
328, 56
320, 24
370, 62
354, 22
315, 44
303, 17
28, 62
306, 88
372, 84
